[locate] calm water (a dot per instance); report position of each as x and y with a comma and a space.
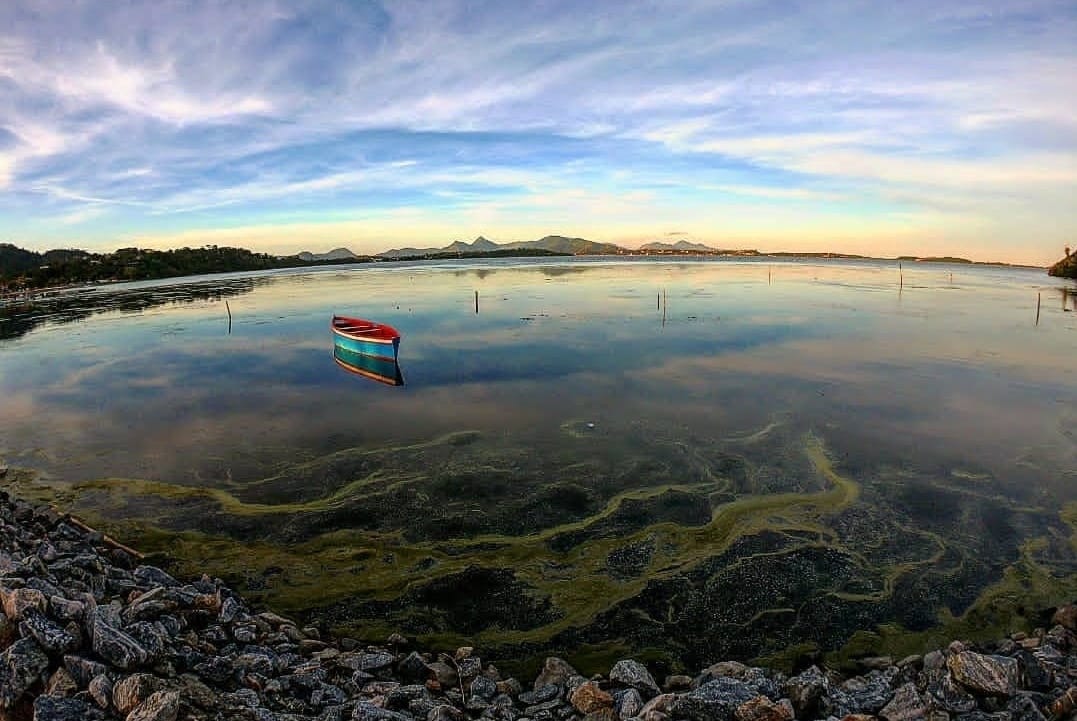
942, 386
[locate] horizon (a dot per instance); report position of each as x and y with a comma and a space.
840, 127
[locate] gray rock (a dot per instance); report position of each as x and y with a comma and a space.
627, 703
945, 694
116, 647
806, 690
83, 670
540, 695
21, 665
366, 711
555, 671
100, 690
860, 695
55, 708
48, 635
483, 688
715, 700
990, 675
161, 706
153, 576
633, 673
907, 705
375, 661
1022, 708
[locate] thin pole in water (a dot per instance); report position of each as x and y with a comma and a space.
768, 275
659, 306
1039, 298
664, 306
229, 309
476, 302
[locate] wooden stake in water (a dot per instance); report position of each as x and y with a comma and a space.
768, 275
1039, 298
476, 302
664, 306
659, 306
229, 309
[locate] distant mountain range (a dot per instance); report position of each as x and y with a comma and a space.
680, 245
551, 243
334, 254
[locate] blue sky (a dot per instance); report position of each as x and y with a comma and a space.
857, 126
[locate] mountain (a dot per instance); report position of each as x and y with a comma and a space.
553, 243
680, 245
334, 254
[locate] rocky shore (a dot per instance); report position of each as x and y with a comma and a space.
89, 632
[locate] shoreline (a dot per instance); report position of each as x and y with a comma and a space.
89, 631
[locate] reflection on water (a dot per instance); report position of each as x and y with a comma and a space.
780, 452
382, 370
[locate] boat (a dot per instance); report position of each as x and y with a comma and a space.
365, 337
382, 370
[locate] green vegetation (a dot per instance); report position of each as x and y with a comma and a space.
619, 541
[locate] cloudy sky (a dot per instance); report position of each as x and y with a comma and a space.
920, 127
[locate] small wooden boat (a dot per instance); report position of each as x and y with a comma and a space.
382, 370
365, 337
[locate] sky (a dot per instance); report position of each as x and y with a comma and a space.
883, 128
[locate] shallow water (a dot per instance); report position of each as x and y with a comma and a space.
611, 438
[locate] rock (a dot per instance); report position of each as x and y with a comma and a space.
906, 705
83, 670
60, 683
627, 703
715, 700
588, 698
860, 695
876, 663
100, 690
762, 708
934, 660
635, 674
1066, 616
413, 668
944, 693
17, 601
55, 708
677, 682
555, 671
483, 688
116, 647
161, 706
991, 675
1022, 708
366, 711
48, 635
540, 695
21, 665
375, 661
805, 691
131, 691
444, 673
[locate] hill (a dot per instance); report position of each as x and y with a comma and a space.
681, 246
552, 243
335, 254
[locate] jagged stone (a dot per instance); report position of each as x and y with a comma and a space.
715, 700
483, 688
366, 711
131, 691
18, 601
58, 708
633, 673
806, 690
21, 665
100, 690
116, 647
555, 671
588, 698
762, 708
860, 695
944, 693
906, 705
160, 706
48, 635
83, 670
991, 675
627, 703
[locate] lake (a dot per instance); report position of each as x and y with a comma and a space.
685, 460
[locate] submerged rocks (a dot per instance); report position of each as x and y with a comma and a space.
88, 633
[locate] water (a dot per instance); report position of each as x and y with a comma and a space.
782, 452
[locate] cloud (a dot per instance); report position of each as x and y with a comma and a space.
203, 114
